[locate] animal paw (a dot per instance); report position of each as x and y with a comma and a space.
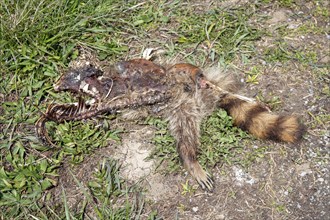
203, 178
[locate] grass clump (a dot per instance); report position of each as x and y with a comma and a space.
165, 150
105, 196
112, 193
223, 33
283, 52
221, 141
78, 139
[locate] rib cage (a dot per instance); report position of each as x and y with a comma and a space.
143, 84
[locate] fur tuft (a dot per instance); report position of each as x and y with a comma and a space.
222, 78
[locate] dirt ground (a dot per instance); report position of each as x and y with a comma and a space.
289, 181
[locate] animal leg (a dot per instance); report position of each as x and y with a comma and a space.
184, 125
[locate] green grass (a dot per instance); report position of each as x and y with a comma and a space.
107, 196
38, 39
283, 52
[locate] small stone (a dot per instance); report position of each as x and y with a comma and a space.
220, 217
195, 209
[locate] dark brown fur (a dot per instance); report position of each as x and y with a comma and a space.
183, 94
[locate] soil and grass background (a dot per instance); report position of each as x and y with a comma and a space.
110, 168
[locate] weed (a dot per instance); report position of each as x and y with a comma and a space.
280, 207
220, 140
277, 53
107, 196
283, 52
109, 189
252, 75
187, 188
321, 11
274, 102
223, 32
165, 149
78, 139
253, 155
321, 120
181, 208
308, 28
287, 3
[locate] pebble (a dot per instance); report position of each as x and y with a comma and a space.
195, 209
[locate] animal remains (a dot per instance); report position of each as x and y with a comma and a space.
183, 94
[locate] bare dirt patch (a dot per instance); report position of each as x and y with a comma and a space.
133, 155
